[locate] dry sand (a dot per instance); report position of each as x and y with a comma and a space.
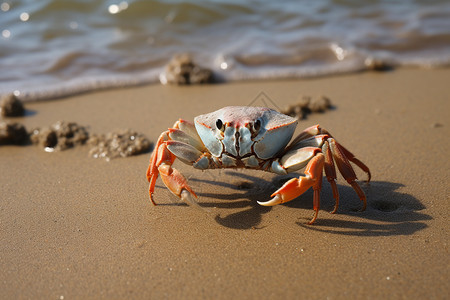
75, 227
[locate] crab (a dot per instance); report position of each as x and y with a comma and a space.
254, 138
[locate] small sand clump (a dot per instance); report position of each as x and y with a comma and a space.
121, 143
307, 105
10, 106
319, 104
12, 134
60, 136
182, 70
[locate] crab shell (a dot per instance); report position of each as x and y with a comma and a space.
255, 138
241, 133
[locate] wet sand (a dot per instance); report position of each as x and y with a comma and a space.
75, 227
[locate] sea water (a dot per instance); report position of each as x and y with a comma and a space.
53, 48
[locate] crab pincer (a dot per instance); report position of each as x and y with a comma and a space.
297, 186
161, 164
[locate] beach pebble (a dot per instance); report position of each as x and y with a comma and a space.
12, 133
121, 143
10, 106
60, 136
182, 70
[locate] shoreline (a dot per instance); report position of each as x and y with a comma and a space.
77, 88
79, 227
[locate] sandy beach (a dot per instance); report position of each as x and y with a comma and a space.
75, 227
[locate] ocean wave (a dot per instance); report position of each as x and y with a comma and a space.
52, 48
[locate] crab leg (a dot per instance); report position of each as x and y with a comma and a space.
297, 186
316, 131
305, 134
346, 169
330, 172
356, 161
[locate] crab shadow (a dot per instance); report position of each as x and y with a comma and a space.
247, 213
388, 211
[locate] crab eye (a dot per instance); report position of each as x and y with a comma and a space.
219, 125
257, 125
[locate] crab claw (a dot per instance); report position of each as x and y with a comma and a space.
181, 136
161, 165
175, 182
297, 186
290, 190
272, 202
183, 151
188, 154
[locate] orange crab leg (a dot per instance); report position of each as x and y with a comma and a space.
317, 187
356, 161
330, 172
346, 169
